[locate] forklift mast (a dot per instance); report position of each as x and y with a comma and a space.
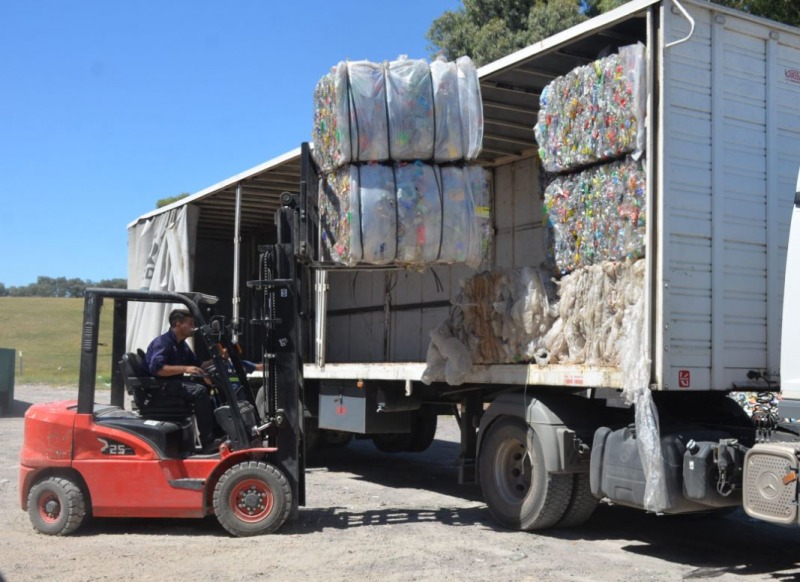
284, 316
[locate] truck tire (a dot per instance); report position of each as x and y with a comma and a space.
334, 439
392, 442
423, 431
56, 506
581, 504
519, 492
252, 498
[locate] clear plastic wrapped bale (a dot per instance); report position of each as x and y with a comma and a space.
350, 115
404, 110
409, 95
471, 108
596, 215
447, 111
406, 214
419, 214
357, 211
594, 113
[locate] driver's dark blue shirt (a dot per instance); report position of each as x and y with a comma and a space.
166, 351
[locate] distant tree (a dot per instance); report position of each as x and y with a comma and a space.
112, 283
167, 201
548, 18
75, 287
487, 30
786, 11
595, 7
59, 287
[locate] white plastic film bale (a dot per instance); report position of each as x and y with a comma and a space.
521, 315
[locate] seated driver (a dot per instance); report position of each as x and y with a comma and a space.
169, 356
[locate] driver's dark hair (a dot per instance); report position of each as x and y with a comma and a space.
177, 316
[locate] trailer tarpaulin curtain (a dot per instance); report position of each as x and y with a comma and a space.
161, 254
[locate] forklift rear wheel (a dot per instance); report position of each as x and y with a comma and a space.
252, 498
56, 506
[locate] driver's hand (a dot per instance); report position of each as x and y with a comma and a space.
195, 371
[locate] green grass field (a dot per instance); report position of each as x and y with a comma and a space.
45, 332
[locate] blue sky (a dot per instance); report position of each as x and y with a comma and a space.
106, 107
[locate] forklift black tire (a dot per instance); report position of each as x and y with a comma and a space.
56, 506
252, 498
520, 493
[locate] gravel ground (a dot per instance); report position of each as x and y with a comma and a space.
375, 516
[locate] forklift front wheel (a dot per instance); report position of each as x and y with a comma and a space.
56, 506
252, 498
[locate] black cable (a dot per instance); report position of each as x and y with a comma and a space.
437, 173
352, 114
360, 214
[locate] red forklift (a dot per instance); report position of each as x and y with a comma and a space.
82, 459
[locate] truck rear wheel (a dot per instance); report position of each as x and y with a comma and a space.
423, 431
252, 498
581, 504
56, 506
518, 490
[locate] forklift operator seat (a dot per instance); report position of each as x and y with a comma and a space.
149, 392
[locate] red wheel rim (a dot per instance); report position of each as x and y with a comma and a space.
53, 512
251, 500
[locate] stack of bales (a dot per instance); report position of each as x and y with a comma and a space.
393, 141
590, 133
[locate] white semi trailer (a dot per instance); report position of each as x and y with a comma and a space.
547, 441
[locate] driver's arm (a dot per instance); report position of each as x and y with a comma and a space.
175, 370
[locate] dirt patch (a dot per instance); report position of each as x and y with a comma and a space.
377, 516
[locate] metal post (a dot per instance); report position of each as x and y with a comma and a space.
470, 417
118, 342
321, 315
237, 241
